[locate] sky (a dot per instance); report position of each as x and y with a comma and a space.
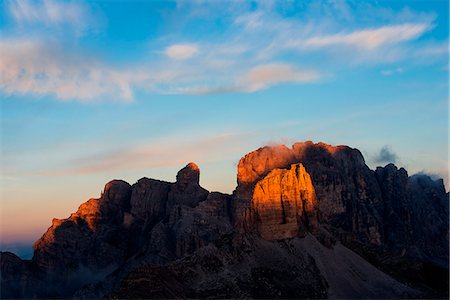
94, 91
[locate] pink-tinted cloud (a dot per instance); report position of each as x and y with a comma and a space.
264, 76
370, 39
258, 78
181, 51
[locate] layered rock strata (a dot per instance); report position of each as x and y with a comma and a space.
284, 203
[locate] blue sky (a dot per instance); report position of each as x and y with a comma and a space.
92, 91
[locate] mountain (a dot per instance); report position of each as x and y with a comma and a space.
309, 221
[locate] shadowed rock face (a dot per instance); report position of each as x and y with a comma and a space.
288, 231
430, 211
187, 190
189, 175
148, 201
395, 190
93, 234
12, 270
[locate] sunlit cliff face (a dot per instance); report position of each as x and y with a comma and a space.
339, 176
285, 203
255, 165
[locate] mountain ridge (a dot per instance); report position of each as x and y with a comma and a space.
287, 200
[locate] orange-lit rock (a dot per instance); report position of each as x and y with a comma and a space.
257, 164
348, 195
109, 208
189, 175
284, 202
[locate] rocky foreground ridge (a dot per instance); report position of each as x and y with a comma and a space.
310, 221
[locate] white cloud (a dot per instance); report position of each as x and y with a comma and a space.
44, 67
181, 51
41, 68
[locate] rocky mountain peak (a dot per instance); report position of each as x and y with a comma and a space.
187, 189
116, 189
255, 165
190, 174
116, 197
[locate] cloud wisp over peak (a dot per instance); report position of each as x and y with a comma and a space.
385, 156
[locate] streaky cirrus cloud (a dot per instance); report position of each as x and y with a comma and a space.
373, 38
157, 153
390, 72
181, 51
264, 76
51, 13
259, 78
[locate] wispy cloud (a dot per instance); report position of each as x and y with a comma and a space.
370, 39
436, 174
51, 13
433, 49
259, 78
389, 72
